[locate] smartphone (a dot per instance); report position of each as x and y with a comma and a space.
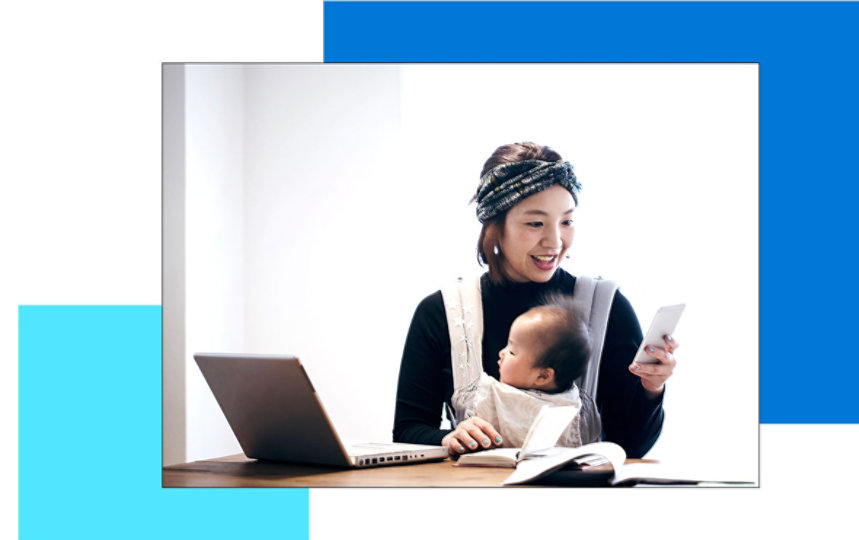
663, 324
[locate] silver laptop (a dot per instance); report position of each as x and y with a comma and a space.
275, 413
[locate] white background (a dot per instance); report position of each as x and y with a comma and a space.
81, 167
324, 201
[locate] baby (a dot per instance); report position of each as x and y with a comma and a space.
547, 350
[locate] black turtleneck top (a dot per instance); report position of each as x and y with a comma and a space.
629, 417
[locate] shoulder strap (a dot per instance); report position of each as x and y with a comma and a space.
464, 310
594, 298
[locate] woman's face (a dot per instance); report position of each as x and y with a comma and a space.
537, 234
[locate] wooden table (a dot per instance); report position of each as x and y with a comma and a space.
239, 471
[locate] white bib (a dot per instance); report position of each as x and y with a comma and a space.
511, 410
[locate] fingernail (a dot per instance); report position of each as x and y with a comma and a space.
461, 449
651, 349
498, 440
638, 367
485, 442
669, 338
472, 444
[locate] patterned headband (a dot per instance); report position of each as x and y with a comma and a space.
507, 184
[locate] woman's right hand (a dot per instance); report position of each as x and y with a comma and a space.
471, 435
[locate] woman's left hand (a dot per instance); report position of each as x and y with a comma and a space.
653, 376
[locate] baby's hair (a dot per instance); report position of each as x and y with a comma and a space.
566, 338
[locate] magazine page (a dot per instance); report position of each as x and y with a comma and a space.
547, 428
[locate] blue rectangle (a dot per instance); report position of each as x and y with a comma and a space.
90, 438
809, 79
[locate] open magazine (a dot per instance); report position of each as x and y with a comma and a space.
600, 463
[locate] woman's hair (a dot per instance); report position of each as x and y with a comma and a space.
566, 338
489, 242
524, 151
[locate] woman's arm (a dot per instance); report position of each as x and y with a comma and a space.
425, 381
630, 417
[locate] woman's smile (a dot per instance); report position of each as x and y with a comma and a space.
545, 262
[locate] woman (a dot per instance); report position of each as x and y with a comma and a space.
526, 202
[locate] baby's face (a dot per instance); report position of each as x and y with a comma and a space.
516, 360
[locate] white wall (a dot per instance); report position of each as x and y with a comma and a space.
215, 304
327, 232
354, 189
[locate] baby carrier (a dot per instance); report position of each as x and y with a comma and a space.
464, 311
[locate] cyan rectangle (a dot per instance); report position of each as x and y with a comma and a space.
808, 54
90, 438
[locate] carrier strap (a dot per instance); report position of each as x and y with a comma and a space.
594, 298
463, 307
